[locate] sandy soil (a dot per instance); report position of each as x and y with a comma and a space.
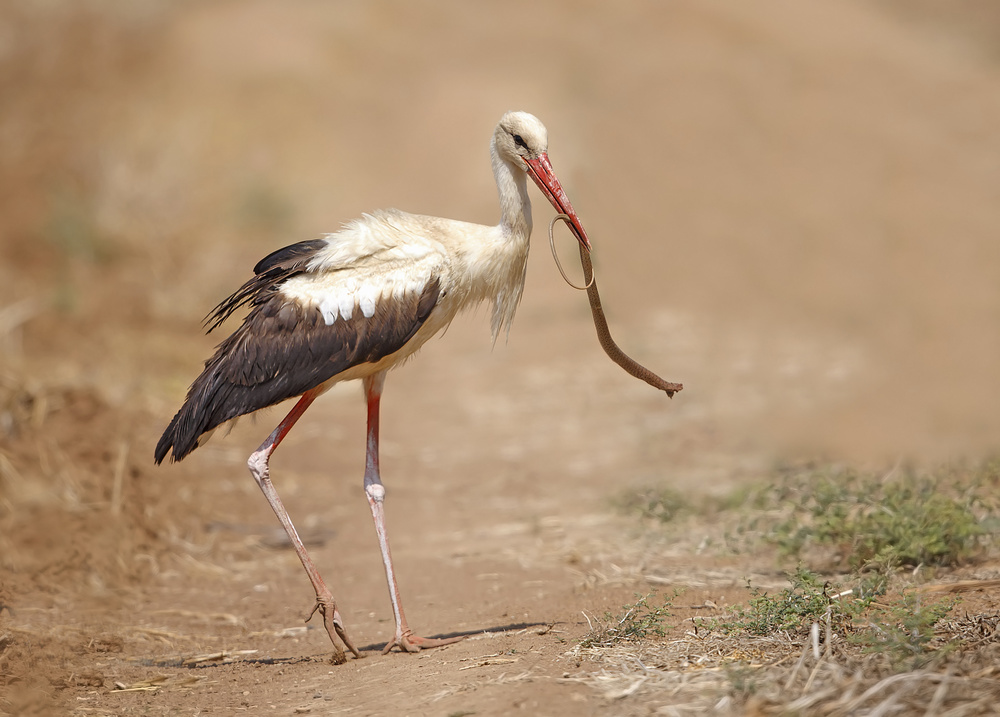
795, 211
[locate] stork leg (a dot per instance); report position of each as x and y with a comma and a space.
404, 637
261, 471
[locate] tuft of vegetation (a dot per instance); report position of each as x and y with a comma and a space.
809, 599
904, 518
902, 627
904, 630
658, 502
637, 622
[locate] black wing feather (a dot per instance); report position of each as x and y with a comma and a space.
270, 272
283, 349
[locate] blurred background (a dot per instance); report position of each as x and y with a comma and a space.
795, 206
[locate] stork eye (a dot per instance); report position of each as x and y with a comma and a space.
520, 142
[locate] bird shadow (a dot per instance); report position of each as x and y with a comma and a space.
499, 630
226, 658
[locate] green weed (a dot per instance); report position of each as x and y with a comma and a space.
658, 502
903, 630
794, 609
906, 518
901, 627
637, 622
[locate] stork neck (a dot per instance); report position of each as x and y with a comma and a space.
515, 207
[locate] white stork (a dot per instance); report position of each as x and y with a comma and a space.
354, 305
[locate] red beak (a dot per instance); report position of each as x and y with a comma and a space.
540, 171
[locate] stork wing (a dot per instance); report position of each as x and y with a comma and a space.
289, 344
270, 272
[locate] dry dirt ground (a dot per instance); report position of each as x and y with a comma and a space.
794, 208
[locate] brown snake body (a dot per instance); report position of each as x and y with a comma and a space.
608, 344
612, 349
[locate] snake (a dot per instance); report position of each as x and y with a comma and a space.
614, 352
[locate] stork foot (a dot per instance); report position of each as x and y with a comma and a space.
408, 642
334, 626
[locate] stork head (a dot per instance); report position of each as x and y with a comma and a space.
522, 140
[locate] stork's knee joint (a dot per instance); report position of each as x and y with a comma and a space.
375, 492
257, 463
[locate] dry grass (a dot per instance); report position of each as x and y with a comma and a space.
880, 640
703, 674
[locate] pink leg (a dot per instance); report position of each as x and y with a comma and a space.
260, 469
404, 637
